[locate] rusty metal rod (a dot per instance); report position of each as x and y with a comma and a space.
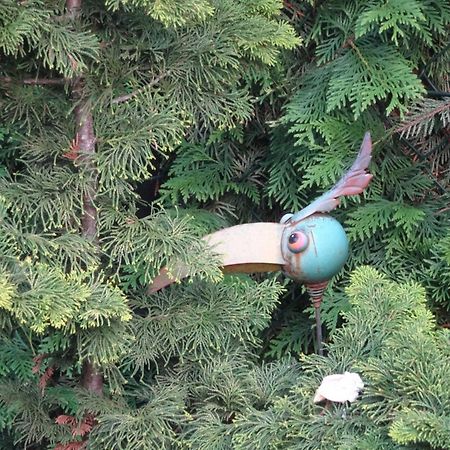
315, 291
318, 329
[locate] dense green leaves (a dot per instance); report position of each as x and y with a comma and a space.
190, 322
402, 362
172, 12
206, 114
153, 74
21, 24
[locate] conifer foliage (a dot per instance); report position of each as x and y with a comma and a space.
402, 361
218, 112
99, 94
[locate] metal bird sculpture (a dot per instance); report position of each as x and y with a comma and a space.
308, 246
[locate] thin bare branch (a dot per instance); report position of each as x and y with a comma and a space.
73, 8
92, 378
126, 97
38, 81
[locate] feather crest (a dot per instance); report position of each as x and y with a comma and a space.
352, 183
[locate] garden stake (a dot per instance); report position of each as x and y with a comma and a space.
308, 246
315, 292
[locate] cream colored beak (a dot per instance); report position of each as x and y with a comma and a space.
248, 248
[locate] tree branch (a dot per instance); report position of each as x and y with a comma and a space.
126, 97
73, 8
422, 117
38, 81
86, 146
91, 378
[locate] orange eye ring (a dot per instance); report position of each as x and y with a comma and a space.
297, 242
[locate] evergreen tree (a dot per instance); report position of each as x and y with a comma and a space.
213, 107
382, 66
99, 95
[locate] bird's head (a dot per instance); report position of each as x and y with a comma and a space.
313, 249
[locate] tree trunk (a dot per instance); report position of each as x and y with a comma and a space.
85, 139
91, 376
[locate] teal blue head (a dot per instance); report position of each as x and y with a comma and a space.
314, 249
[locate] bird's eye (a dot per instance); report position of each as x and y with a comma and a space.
297, 242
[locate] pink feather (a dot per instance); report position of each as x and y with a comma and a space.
353, 182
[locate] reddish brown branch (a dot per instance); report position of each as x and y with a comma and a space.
46, 81
440, 211
86, 147
92, 378
73, 8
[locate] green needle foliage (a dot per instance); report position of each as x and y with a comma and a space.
76, 252
129, 129
402, 361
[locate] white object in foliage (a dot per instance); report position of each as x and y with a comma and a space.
339, 388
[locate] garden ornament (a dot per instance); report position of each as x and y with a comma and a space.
308, 246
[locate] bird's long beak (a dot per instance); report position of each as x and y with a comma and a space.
248, 248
